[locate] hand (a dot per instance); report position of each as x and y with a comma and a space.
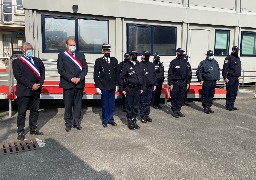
238, 78
217, 82
154, 88
98, 90
202, 82
226, 80
187, 86
171, 87
77, 80
35, 87
124, 93
73, 80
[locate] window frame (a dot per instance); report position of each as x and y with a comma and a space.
228, 41
241, 43
44, 50
152, 40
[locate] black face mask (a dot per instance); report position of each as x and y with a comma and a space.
235, 53
126, 59
180, 56
146, 58
107, 55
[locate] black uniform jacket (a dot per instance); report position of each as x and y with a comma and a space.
149, 73
208, 70
231, 67
69, 70
178, 71
159, 69
132, 75
26, 78
106, 75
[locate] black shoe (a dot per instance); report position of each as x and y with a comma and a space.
159, 106
124, 110
155, 107
21, 136
230, 109
186, 104
175, 114
131, 124
113, 124
143, 120
68, 129
234, 108
149, 119
210, 110
104, 125
79, 127
180, 114
36, 132
206, 110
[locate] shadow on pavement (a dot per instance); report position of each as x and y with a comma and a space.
54, 161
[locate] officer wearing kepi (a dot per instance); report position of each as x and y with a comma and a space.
208, 74
150, 85
120, 68
178, 83
131, 85
159, 70
106, 79
231, 73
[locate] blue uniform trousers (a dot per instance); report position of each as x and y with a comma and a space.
145, 101
108, 106
208, 90
178, 95
232, 88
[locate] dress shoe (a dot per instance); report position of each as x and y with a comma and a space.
68, 129
113, 123
143, 120
230, 109
149, 119
36, 132
234, 108
175, 114
159, 106
210, 110
206, 110
155, 107
79, 127
180, 114
130, 124
21, 136
104, 125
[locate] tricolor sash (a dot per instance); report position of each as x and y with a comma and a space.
73, 60
26, 61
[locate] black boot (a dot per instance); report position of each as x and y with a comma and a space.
206, 110
130, 124
136, 126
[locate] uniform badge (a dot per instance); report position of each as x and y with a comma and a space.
177, 67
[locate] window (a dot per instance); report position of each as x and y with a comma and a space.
156, 39
19, 4
7, 11
92, 34
89, 34
248, 43
221, 43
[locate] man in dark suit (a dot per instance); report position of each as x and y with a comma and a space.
72, 68
29, 72
106, 76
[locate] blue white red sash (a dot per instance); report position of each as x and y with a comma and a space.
73, 60
26, 61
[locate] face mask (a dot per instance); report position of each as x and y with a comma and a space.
107, 55
72, 49
235, 53
180, 56
29, 53
210, 57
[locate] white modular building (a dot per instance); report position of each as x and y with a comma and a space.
159, 26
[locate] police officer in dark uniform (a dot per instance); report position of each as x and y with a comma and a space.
120, 68
231, 73
208, 73
178, 83
186, 58
150, 85
106, 79
131, 85
159, 70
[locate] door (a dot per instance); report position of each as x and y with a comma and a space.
198, 45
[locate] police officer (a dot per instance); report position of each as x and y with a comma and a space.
131, 85
178, 83
120, 68
159, 70
186, 58
208, 73
150, 85
231, 73
106, 79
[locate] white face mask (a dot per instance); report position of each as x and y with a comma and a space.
211, 57
72, 49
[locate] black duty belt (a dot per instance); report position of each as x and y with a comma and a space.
210, 80
178, 80
133, 85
